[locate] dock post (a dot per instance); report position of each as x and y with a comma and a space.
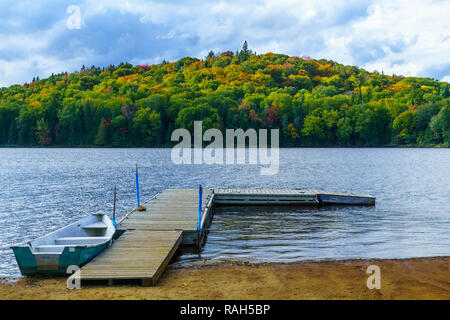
137, 187
114, 208
199, 226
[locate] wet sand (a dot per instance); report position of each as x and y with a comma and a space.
420, 278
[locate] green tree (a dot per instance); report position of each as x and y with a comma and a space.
202, 112
244, 54
28, 117
313, 127
69, 118
404, 126
446, 92
43, 132
344, 130
146, 124
120, 131
101, 137
159, 103
424, 114
444, 122
372, 124
7, 115
12, 135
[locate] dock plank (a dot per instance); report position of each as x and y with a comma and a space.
134, 256
173, 209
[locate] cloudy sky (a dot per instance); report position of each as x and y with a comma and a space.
409, 37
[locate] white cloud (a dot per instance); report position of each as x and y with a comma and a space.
404, 37
420, 25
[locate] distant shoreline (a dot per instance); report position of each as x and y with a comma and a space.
281, 147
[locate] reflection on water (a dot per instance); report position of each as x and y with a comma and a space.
44, 189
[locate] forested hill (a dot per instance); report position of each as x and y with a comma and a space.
312, 102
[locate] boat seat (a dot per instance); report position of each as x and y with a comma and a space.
49, 248
96, 225
80, 240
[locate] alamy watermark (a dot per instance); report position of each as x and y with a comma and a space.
74, 281
236, 151
374, 281
74, 21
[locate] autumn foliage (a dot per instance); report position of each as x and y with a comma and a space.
312, 102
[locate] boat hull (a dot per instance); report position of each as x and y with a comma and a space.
55, 264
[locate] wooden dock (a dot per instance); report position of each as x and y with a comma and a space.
149, 239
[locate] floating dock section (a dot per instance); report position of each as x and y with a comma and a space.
148, 239
277, 197
264, 197
339, 198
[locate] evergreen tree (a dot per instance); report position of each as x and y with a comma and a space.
245, 53
12, 133
100, 138
446, 93
360, 97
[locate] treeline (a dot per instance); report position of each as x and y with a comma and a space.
312, 102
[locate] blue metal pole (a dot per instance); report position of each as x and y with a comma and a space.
137, 187
200, 194
114, 209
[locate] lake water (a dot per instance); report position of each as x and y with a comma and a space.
44, 189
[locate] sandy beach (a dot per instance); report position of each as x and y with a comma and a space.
420, 278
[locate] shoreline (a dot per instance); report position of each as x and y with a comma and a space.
412, 278
280, 147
